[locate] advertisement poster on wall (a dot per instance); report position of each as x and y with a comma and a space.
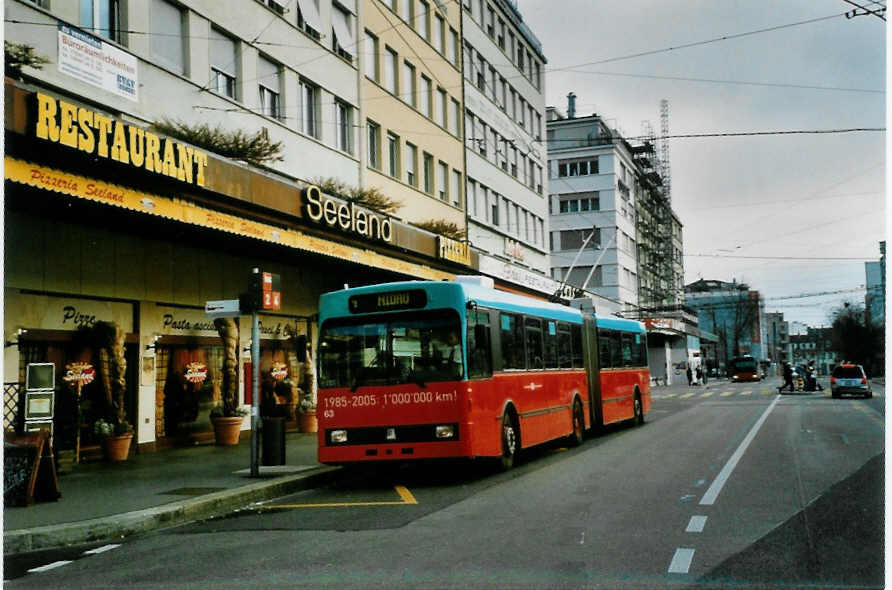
92, 60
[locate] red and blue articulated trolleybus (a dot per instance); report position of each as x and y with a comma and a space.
420, 370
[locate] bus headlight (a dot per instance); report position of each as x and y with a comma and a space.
338, 436
445, 431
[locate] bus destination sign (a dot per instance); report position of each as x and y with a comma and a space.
393, 301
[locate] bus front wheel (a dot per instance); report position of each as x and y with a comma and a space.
510, 441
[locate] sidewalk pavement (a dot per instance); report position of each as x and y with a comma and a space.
105, 501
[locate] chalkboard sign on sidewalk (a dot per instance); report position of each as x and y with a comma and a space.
29, 471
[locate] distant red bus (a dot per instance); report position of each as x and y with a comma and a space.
743, 368
419, 370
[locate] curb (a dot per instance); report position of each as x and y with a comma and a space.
119, 526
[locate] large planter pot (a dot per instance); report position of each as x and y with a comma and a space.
307, 421
227, 429
117, 448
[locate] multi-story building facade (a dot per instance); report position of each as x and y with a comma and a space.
593, 198
875, 283
777, 340
139, 228
816, 345
411, 98
504, 116
734, 313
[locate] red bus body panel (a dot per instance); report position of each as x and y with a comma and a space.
543, 401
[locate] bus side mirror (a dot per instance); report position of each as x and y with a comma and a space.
301, 343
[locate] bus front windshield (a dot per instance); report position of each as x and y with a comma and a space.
419, 347
744, 365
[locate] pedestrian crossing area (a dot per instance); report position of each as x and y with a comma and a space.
715, 393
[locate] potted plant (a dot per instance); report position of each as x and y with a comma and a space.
307, 417
116, 438
227, 427
228, 417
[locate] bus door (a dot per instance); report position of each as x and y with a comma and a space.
592, 369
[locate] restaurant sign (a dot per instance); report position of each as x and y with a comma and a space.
454, 250
97, 134
346, 216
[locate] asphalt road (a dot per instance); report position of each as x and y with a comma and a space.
730, 486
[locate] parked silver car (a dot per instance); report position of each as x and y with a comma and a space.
849, 379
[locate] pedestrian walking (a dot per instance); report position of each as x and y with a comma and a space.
700, 379
690, 376
788, 378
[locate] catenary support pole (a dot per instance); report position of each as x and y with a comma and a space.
255, 388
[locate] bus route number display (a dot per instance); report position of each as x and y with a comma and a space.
393, 301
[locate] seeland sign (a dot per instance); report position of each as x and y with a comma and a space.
346, 216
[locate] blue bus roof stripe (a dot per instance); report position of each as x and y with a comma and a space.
457, 295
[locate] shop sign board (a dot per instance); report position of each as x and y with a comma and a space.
453, 250
346, 216
97, 134
44, 312
515, 274
95, 62
224, 308
513, 249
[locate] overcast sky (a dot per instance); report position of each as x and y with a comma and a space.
817, 196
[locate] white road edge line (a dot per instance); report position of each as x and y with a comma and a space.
102, 549
681, 561
49, 566
713, 492
696, 524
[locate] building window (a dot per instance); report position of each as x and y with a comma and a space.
440, 109
102, 17
309, 95
577, 167
481, 73
514, 162
500, 37
454, 46
374, 145
426, 95
390, 65
494, 216
223, 63
439, 39
408, 11
342, 41
443, 182
456, 188
344, 122
393, 155
409, 84
456, 118
268, 86
424, 10
167, 35
428, 173
308, 19
520, 53
490, 22
409, 165
371, 48
482, 138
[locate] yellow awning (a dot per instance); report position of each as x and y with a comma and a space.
106, 193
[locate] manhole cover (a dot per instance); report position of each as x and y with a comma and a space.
190, 491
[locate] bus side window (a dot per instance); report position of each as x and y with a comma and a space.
511, 330
551, 345
576, 338
604, 348
616, 355
479, 345
639, 350
565, 348
626, 341
534, 343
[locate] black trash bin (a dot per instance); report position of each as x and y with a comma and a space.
273, 439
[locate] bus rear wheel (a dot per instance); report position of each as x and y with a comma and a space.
575, 438
509, 441
639, 410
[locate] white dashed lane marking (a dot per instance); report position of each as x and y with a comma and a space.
47, 567
102, 549
696, 524
681, 561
